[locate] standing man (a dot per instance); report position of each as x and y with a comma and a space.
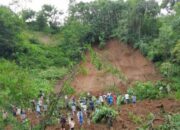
127, 98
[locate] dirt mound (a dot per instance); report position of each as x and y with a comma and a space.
123, 57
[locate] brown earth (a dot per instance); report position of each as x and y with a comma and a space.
124, 121
141, 109
126, 59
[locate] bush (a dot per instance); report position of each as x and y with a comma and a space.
103, 114
168, 69
172, 122
145, 90
83, 70
18, 86
68, 89
176, 52
53, 73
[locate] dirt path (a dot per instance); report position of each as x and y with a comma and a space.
131, 62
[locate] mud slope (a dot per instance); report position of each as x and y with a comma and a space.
131, 62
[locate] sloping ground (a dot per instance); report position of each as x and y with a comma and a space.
124, 121
134, 65
95, 80
141, 109
126, 59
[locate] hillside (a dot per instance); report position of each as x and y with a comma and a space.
115, 63
133, 65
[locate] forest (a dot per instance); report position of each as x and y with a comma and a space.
39, 53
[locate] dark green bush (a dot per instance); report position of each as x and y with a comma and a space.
103, 113
145, 90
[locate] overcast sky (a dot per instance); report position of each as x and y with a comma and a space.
37, 4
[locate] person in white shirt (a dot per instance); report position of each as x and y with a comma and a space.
127, 98
71, 124
101, 100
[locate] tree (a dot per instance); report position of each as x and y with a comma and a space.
101, 15
169, 4
142, 19
52, 15
41, 21
28, 15
10, 27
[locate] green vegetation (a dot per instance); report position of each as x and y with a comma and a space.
103, 114
171, 122
135, 118
36, 50
144, 90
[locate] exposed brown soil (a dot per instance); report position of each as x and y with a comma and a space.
95, 81
141, 109
126, 59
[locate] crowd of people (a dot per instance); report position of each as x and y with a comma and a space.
83, 107
80, 109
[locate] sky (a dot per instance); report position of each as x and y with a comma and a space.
37, 4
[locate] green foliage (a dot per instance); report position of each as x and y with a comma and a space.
177, 95
17, 85
101, 15
168, 69
41, 22
102, 41
145, 90
73, 38
27, 15
176, 52
95, 60
10, 27
53, 73
12, 121
83, 70
103, 114
135, 118
68, 89
172, 122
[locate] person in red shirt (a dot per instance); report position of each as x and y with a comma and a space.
114, 99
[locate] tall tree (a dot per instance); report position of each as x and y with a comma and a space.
10, 27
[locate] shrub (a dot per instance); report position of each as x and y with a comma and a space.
176, 52
135, 118
18, 86
167, 69
68, 89
83, 70
145, 90
53, 73
103, 113
172, 122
